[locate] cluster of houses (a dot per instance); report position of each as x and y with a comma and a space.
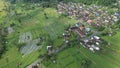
92, 14
92, 43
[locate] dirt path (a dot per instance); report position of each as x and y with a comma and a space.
34, 63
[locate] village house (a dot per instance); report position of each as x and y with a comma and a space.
49, 50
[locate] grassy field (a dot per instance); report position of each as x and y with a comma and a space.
37, 25
108, 58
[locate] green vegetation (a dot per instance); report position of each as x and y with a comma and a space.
52, 3
74, 57
35, 22
48, 24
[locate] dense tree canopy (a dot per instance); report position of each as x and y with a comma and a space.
99, 2
2, 47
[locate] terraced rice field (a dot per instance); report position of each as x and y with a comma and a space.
54, 26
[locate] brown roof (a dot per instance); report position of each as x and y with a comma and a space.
80, 32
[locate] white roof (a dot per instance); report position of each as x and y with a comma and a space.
116, 20
115, 17
91, 37
66, 41
97, 48
97, 43
63, 34
86, 40
91, 49
106, 21
54, 61
80, 43
48, 47
77, 24
87, 29
96, 37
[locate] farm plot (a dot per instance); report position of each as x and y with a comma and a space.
65, 59
73, 57
25, 37
27, 32
30, 45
